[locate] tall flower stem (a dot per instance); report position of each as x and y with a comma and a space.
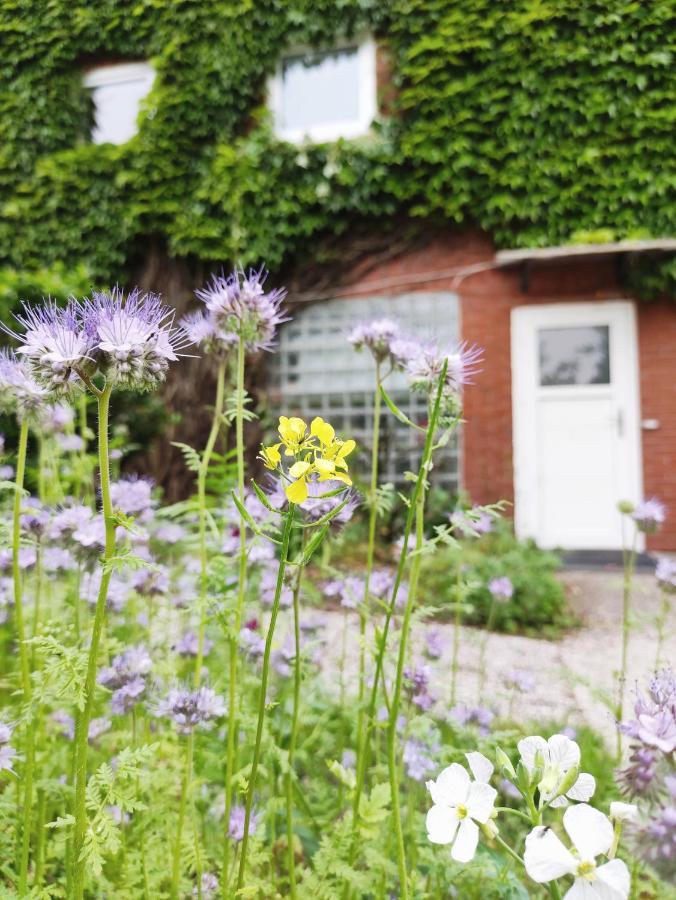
370, 550
286, 537
661, 623
182, 803
392, 762
237, 624
456, 630
363, 751
24, 661
483, 647
202, 504
294, 732
84, 716
629, 560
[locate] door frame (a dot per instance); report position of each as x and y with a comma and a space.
524, 323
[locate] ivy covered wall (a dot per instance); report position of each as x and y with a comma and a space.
540, 121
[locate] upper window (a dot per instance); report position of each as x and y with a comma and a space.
579, 355
117, 91
325, 95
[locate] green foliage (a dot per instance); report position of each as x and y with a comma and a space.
538, 121
539, 602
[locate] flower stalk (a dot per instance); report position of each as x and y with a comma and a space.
283, 559
85, 714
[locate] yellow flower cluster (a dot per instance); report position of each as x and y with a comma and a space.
317, 452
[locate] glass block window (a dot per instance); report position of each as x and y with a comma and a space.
117, 91
316, 372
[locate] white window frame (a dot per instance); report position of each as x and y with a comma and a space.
117, 73
330, 131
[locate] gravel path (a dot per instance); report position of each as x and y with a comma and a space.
570, 674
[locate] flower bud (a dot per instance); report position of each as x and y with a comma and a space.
568, 781
504, 764
626, 507
623, 812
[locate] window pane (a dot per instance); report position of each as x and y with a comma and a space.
117, 98
318, 89
574, 355
335, 381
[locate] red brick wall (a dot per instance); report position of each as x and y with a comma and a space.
486, 301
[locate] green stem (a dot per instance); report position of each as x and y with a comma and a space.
294, 730
185, 787
23, 660
456, 631
396, 695
514, 812
16, 571
84, 717
202, 503
363, 751
629, 558
505, 846
482, 651
370, 552
661, 627
237, 624
288, 524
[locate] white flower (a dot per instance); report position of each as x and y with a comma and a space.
559, 756
459, 803
623, 812
591, 833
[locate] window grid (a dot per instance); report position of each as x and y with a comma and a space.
316, 372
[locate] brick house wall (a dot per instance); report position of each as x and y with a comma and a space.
486, 301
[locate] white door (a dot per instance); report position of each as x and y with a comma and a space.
576, 434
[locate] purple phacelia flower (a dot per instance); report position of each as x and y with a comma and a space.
132, 495
135, 338
188, 709
434, 643
384, 340
188, 645
520, 680
425, 368
151, 582
649, 515
209, 885
57, 342
238, 305
417, 760
236, 824
473, 716
665, 573
472, 522
20, 393
126, 678
501, 589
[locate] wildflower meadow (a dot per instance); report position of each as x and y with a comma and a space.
172, 723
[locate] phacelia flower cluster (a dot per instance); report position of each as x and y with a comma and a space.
237, 307
189, 709
126, 678
130, 339
649, 515
383, 338
7, 752
501, 589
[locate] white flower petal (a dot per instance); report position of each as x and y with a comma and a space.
482, 768
441, 823
464, 846
583, 789
590, 831
451, 786
581, 890
545, 856
623, 812
560, 801
614, 880
563, 751
528, 747
480, 801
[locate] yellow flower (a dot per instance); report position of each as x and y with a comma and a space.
332, 448
271, 456
297, 491
292, 432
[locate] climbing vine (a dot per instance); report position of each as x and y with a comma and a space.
534, 120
